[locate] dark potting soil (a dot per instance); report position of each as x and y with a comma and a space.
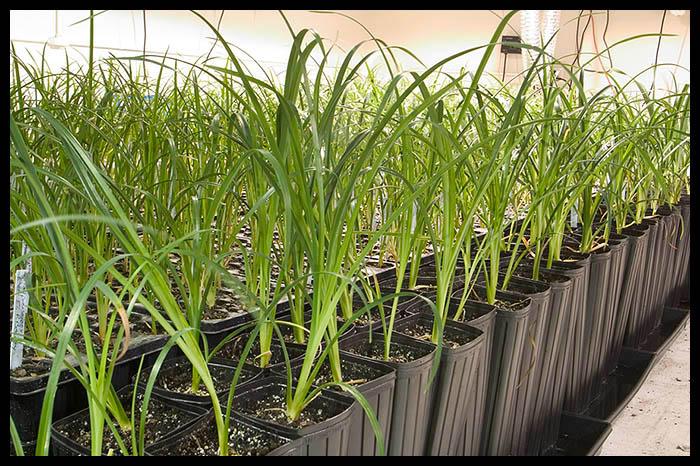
226, 302
424, 331
544, 276
32, 367
234, 349
273, 408
499, 303
243, 440
374, 314
354, 373
161, 420
397, 352
178, 378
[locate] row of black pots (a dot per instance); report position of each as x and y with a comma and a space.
517, 377
588, 334
666, 273
527, 320
28, 390
627, 281
409, 413
410, 437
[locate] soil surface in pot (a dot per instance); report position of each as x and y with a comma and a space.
397, 352
161, 420
479, 295
243, 440
424, 331
234, 349
178, 378
226, 302
32, 367
354, 373
374, 314
273, 408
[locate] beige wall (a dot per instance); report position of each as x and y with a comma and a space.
429, 34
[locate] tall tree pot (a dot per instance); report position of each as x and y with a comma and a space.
638, 237
528, 382
509, 337
543, 375
375, 381
455, 380
412, 402
480, 315
262, 403
635, 331
565, 376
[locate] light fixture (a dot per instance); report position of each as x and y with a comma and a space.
677, 12
537, 28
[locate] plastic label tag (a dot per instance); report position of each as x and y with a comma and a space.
19, 313
574, 215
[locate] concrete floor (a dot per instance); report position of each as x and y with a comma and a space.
656, 422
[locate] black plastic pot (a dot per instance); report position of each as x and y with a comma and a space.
676, 254
27, 393
619, 249
375, 381
222, 371
430, 271
373, 319
233, 349
412, 403
216, 328
672, 220
147, 347
682, 295
682, 253
455, 381
567, 360
326, 438
568, 365
186, 414
528, 383
543, 375
636, 331
594, 321
630, 288
426, 285
27, 397
478, 315
509, 338
245, 439
482, 316
654, 305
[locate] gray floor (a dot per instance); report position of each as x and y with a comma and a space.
656, 422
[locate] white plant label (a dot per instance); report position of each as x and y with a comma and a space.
21, 304
414, 219
574, 215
